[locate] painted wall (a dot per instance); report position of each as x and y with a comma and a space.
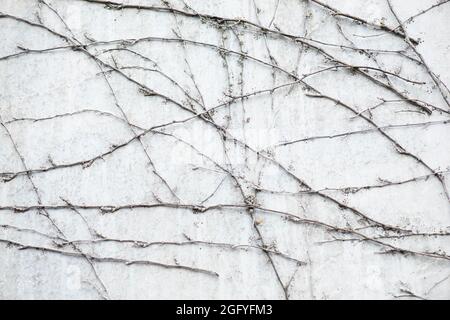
224, 149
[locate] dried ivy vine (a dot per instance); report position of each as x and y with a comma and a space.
232, 51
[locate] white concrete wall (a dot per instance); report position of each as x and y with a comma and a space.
217, 205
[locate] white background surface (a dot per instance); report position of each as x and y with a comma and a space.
66, 82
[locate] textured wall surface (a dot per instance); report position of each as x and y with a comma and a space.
266, 149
